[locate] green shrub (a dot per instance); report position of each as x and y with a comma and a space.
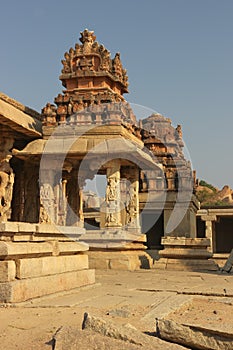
205, 184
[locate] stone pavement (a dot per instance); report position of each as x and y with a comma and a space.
122, 297
155, 293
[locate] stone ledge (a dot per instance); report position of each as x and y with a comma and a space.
37, 267
177, 252
9, 250
187, 242
186, 264
8, 227
22, 290
181, 253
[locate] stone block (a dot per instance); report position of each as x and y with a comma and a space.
208, 217
25, 289
35, 267
194, 337
72, 247
60, 230
98, 263
128, 334
26, 227
7, 271
13, 249
184, 253
185, 265
21, 238
183, 241
10, 250
48, 237
129, 264
8, 227
46, 228
130, 260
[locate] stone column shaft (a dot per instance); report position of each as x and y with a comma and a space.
113, 214
132, 208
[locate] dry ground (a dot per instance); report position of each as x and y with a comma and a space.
123, 297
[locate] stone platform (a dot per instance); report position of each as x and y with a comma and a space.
37, 260
190, 254
117, 250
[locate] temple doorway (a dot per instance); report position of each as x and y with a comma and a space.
153, 227
93, 196
224, 234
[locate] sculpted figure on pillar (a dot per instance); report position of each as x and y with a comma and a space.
111, 190
6, 190
47, 204
6, 179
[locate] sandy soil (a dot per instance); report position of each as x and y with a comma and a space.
121, 297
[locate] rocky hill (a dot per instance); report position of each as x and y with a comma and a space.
207, 194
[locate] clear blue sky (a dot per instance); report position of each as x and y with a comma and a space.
178, 53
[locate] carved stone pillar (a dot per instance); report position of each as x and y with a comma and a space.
81, 215
61, 199
48, 198
6, 179
113, 215
132, 207
75, 185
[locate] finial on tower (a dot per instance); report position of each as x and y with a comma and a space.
87, 36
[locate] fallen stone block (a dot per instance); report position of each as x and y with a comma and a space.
126, 334
193, 336
77, 339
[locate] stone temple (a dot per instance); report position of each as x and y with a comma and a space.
54, 233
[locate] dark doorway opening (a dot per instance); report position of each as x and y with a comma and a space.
200, 228
224, 235
153, 227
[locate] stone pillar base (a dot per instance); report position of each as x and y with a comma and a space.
187, 254
38, 260
117, 250
129, 260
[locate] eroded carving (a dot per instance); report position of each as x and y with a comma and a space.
6, 179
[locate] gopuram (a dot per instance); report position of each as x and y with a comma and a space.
50, 238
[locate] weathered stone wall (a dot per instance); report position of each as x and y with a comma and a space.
37, 260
